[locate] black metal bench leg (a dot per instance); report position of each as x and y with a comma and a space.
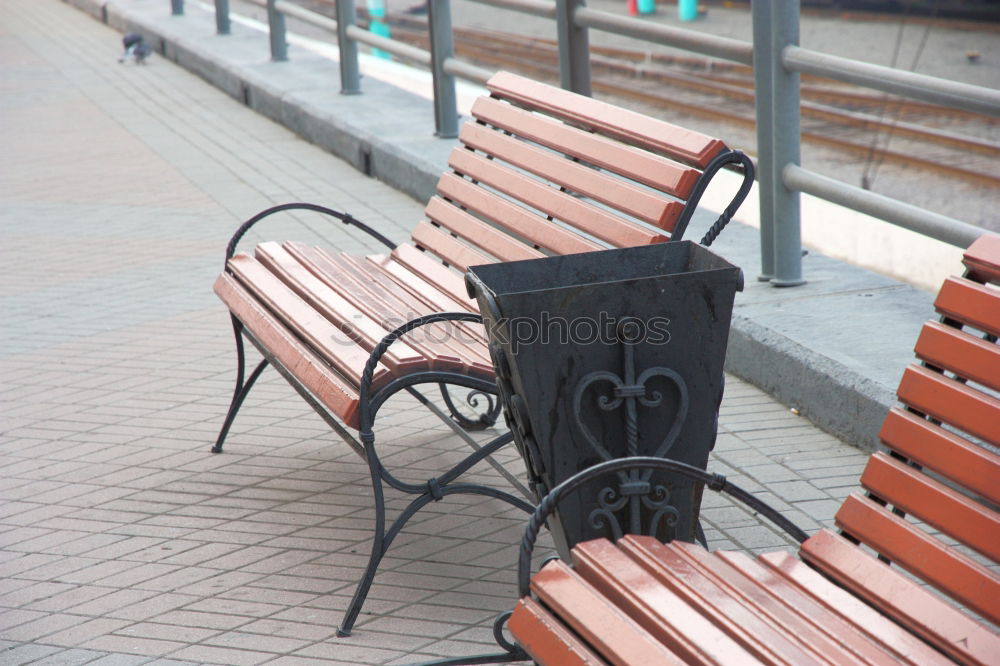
433, 490
378, 550
242, 388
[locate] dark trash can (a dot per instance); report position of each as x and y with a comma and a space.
610, 354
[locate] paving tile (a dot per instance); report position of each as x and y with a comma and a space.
205, 654
152, 607
69, 658
25, 654
84, 631
119, 660
167, 632
131, 645
38, 627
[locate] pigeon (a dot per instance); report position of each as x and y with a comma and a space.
136, 48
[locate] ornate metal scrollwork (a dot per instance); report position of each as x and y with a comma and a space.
487, 417
634, 488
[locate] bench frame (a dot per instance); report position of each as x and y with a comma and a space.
372, 397
435, 488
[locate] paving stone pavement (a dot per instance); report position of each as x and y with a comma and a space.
123, 540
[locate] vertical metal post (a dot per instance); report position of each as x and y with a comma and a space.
276, 30
763, 68
787, 213
574, 48
177, 7
442, 48
222, 25
350, 77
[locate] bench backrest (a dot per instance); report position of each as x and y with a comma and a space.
545, 171
931, 501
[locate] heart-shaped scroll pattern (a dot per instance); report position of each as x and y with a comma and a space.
633, 487
627, 394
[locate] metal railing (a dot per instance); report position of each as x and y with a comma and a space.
777, 60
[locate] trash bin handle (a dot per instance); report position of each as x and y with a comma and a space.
716, 482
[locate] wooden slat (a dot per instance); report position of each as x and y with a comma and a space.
473, 230
733, 604
951, 402
847, 607
333, 391
562, 206
966, 355
797, 621
967, 464
970, 303
462, 351
325, 338
685, 145
619, 194
912, 606
449, 281
983, 258
917, 494
923, 555
687, 624
425, 235
465, 340
545, 638
643, 167
835, 629
607, 629
388, 308
355, 323
519, 221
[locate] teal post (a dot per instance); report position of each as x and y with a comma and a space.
687, 10
378, 26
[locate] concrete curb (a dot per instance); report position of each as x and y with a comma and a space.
386, 133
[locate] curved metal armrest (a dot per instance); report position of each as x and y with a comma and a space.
716, 482
365, 386
343, 217
717, 163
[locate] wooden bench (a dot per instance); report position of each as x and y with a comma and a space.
540, 171
929, 507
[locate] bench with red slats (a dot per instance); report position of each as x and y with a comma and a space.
538, 171
928, 507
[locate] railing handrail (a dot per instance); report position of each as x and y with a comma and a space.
953, 94
779, 62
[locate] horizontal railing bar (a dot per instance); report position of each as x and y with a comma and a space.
467, 70
543, 8
305, 15
689, 40
411, 53
964, 96
908, 216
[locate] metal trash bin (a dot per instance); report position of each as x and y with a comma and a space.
610, 354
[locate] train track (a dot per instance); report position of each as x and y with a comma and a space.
854, 124
836, 116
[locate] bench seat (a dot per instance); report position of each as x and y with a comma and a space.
328, 312
647, 598
912, 576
